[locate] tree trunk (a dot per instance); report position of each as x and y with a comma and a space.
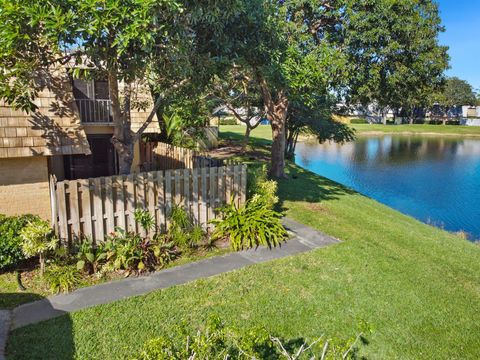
278, 120
277, 114
292, 135
246, 139
122, 135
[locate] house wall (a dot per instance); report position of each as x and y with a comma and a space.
24, 187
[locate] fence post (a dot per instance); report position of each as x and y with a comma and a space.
53, 204
243, 185
98, 206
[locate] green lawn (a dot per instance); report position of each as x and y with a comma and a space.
418, 129
418, 287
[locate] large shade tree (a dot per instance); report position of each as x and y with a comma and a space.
398, 63
112, 39
361, 50
124, 41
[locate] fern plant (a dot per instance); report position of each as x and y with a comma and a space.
253, 224
248, 226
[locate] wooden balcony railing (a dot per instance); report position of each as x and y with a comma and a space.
94, 111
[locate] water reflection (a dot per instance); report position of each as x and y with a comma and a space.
437, 180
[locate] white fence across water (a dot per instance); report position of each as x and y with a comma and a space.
94, 207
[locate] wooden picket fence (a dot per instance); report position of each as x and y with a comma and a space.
95, 207
161, 156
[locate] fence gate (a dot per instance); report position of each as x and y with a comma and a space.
94, 207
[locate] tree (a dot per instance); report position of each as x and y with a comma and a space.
315, 120
456, 92
361, 51
125, 41
237, 90
114, 39
394, 54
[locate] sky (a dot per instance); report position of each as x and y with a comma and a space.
461, 19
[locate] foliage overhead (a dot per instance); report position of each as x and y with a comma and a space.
360, 51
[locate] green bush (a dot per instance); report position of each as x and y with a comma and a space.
182, 231
61, 278
90, 256
358, 121
228, 121
145, 219
37, 240
128, 251
253, 224
11, 253
215, 341
257, 174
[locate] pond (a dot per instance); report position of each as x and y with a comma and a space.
434, 179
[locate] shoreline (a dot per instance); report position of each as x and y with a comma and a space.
410, 133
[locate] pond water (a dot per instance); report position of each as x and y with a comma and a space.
436, 180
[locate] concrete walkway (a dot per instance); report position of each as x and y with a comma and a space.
4, 326
303, 239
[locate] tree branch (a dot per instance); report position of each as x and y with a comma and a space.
156, 106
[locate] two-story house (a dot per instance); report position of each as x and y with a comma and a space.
67, 136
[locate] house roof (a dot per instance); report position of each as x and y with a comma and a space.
53, 129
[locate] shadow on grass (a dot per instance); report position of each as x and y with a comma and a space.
9, 301
238, 137
51, 339
303, 185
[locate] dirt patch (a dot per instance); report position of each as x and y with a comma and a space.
317, 207
230, 150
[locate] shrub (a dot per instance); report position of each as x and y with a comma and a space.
182, 231
164, 251
145, 219
37, 240
358, 121
227, 121
253, 224
11, 253
123, 250
61, 278
128, 251
255, 176
215, 341
90, 256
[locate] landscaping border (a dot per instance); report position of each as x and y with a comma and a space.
303, 239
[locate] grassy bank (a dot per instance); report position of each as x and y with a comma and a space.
418, 287
425, 129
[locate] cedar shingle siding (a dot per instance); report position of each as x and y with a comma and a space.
54, 129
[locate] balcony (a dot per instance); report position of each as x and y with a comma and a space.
94, 111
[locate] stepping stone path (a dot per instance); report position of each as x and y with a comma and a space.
303, 239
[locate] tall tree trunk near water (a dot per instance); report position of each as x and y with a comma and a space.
122, 134
276, 110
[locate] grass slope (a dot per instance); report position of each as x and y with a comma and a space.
417, 286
